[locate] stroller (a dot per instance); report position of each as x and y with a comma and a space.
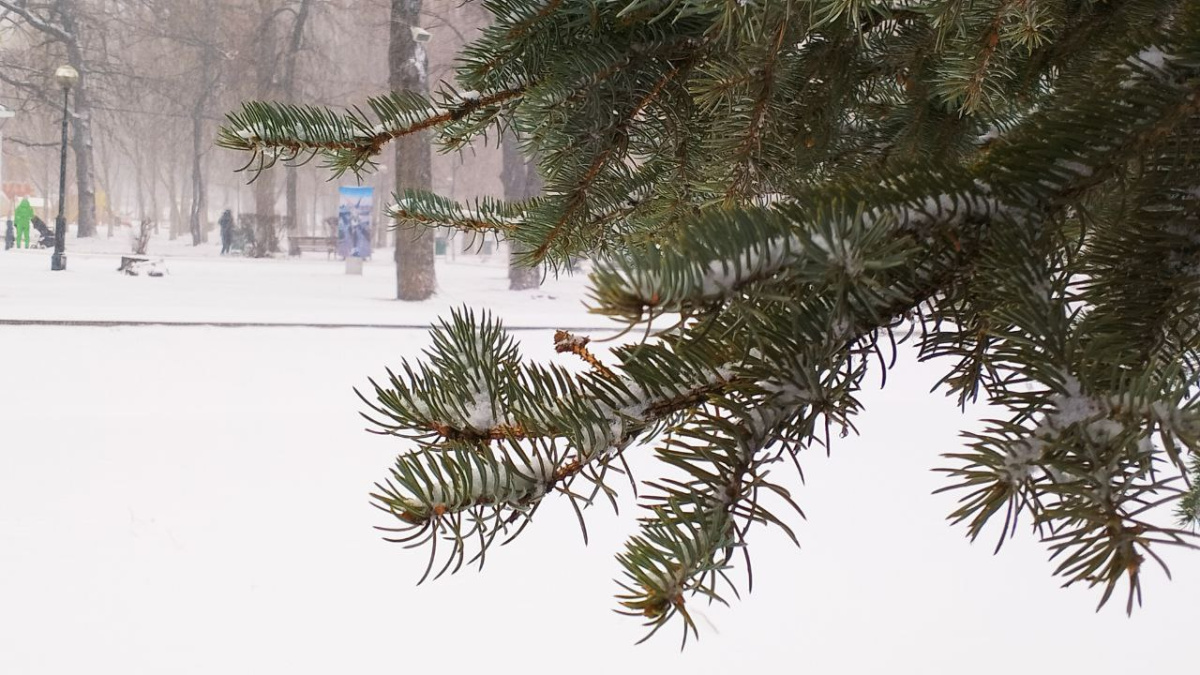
45, 234
242, 241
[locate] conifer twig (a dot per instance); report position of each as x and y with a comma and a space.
567, 342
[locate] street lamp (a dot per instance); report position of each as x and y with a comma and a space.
67, 77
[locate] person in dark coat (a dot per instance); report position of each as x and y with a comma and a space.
10, 234
226, 224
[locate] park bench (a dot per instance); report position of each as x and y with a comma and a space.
129, 263
326, 245
134, 265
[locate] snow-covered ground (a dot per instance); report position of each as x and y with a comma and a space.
192, 500
203, 287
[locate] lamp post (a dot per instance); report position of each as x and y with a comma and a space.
67, 77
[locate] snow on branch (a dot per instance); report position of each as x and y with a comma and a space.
485, 215
815, 239
475, 392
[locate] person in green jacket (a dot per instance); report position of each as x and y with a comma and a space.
24, 216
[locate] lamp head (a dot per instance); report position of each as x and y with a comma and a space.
420, 34
66, 76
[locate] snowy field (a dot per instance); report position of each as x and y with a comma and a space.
204, 287
192, 500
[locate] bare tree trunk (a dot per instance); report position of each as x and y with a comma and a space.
152, 185
266, 193
291, 199
185, 202
521, 181
383, 189
206, 225
198, 218
109, 177
174, 198
315, 220
139, 177
416, 278
110, 214
85, 180
197, 177
48, 190
81, 122
289, 93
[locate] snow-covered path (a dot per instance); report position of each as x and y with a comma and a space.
193, 501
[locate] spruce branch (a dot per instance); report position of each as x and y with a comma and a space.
577, 196
526, 432
763, 77
1189, 505
348, 140
782, 190
485, 215
577, 345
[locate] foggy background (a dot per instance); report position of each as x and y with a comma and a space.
158, 77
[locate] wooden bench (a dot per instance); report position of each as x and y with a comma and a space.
130, 262
326, 245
